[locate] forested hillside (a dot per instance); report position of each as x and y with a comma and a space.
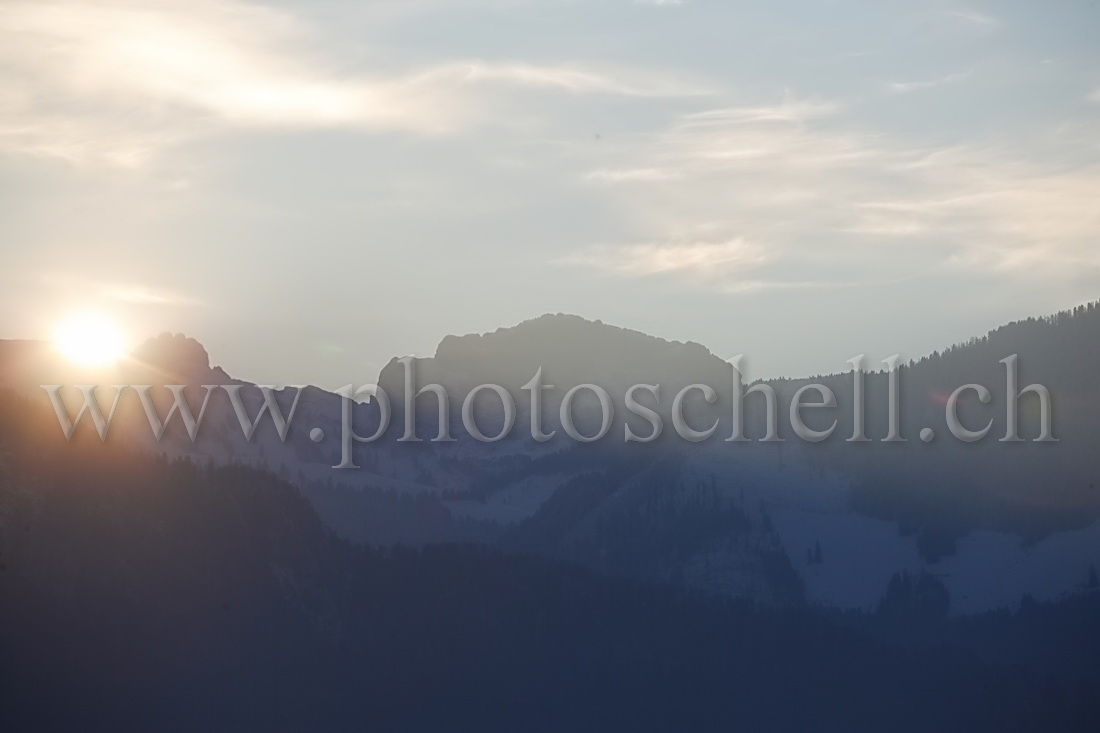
156, 594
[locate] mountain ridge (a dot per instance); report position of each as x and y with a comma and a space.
571, 501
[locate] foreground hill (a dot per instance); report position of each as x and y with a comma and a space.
138, 593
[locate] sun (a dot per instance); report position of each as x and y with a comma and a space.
90, 339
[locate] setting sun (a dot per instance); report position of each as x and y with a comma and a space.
90, 339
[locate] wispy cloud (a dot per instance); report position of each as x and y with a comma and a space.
620, 175
828, 203
974, 17
904, 87
92, 290
143, 295
748, 287
707, 260
789, 109
562, 78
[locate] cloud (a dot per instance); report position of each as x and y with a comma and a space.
65, 284
749, 287
971, 16
829, 203
234, 60
773, 138
621, 175
728, 266
700, 259
912, 86
789, 109
90, 290
143, 295
562, 78
115, 82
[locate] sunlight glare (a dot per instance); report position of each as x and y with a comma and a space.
90, 339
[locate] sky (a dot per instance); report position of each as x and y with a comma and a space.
313, 188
